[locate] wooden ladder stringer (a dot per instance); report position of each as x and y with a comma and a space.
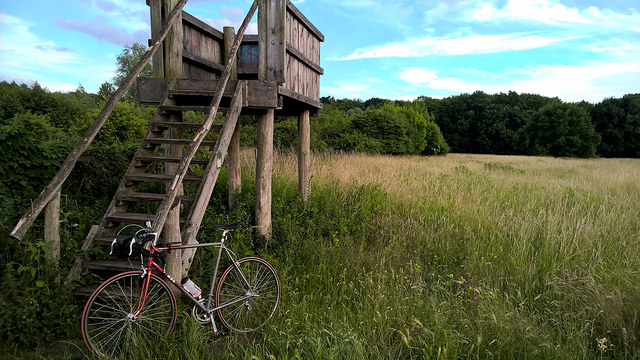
197, 211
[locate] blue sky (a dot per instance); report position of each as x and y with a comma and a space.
398, 49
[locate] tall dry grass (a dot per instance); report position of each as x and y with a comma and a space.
536, 256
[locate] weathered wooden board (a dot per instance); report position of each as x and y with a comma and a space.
203, 49
259, 94
302, 74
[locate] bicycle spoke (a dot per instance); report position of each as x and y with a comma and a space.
108, 325
254, 286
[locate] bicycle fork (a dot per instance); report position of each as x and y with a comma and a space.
142, 298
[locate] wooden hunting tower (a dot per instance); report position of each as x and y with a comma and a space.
197, 68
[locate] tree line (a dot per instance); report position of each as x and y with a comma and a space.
526, 124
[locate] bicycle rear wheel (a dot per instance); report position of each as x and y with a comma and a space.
108, 327
257, 287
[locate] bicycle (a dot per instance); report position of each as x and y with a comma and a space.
134, 305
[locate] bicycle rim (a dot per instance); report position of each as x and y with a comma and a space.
109, 330
262, 289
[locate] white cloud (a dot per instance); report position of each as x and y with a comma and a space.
61, 87
24, 55
553, 12
349, 90
22, 52
131, 15
592, 82
465, 45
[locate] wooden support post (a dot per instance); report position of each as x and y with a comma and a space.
52, 232
172, 48
156, 26
235, 171
173, 70
264, 169
271, 46
304, 155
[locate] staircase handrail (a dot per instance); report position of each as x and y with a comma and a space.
69, 163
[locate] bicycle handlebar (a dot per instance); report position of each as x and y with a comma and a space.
141, 237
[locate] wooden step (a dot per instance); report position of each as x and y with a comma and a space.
136, 196
132, 218
115, 265
198, 92
85, 291
166, 141
105, 241
161, 178
178, 124
182, 108
170, 159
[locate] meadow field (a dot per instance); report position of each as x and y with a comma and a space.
457, 256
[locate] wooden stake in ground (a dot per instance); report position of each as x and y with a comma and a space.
304, 155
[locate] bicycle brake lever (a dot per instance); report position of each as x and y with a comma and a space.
115, 240
131, 246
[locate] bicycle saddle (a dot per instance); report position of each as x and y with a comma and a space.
228, 227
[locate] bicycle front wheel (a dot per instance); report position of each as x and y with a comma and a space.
109, 327
249, 294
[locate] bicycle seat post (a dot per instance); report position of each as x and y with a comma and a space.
224, 236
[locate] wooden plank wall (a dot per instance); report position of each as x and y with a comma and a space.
302, 68
203, 49
203, 54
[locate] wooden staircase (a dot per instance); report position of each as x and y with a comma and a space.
144, 185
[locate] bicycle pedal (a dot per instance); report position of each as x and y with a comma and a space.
219, 333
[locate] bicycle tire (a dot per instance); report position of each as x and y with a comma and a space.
248, 315
107, 329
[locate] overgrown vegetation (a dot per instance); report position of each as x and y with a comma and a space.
463, 256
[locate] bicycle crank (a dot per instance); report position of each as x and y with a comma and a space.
200, 315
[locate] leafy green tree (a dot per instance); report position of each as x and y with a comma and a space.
435, 143
126, 125
618, 122
388, 124
331, 124
106, 90
31, 149
127, 61
375, 103
561, 130
417, 129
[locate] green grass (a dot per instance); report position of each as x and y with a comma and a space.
442, 258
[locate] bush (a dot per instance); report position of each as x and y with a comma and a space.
33, 308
